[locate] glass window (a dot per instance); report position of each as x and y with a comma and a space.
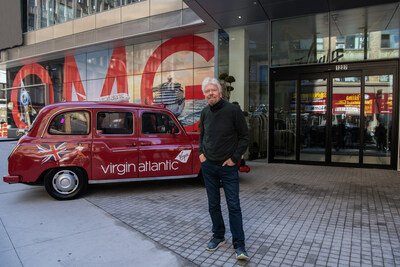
63, 11
300, 40
112, 122
47, 13
285, 120
104, 5
313, 113
31, 16
346, 35
158, 123
85, 8
390, 39
365, 33
378, 114
71, 123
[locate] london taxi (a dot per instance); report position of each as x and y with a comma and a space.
71, 144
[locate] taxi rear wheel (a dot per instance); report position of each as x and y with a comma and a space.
65, 183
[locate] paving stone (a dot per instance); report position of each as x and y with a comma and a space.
293, 215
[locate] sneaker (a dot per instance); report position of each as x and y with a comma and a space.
215, 243
241, 253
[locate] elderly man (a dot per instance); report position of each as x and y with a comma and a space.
224, 138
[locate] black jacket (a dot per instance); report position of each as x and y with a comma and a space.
223, 132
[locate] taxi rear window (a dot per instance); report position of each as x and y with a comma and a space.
71, 123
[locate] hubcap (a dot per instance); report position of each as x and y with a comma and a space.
65, 182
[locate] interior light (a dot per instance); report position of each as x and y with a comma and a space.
239, 17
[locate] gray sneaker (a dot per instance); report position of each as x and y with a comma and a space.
215, 243
241, 253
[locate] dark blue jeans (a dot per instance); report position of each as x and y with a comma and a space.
212, 175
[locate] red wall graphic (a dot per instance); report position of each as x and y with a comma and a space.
194, 43
26, 70
116, 74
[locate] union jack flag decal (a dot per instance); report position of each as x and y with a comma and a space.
52, 152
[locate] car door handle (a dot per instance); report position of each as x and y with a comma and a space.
145, 143
131, 145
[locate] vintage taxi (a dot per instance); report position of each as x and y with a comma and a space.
73, 144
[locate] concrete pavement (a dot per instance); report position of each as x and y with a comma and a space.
293, 215
36, 230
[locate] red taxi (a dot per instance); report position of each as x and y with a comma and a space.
71, 144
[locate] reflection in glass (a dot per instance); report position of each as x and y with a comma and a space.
258, 90
285, 120
300, 40
104, 5
29, 101
85, 8
352, 35
365, 33
346, 99
378, 119
63, 11
47, 13
313, 119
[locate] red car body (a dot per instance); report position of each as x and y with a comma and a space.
71, 144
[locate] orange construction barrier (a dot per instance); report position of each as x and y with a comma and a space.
4, 130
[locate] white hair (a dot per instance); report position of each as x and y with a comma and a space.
208, 81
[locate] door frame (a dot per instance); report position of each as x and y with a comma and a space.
343, 69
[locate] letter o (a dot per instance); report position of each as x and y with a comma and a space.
30, 69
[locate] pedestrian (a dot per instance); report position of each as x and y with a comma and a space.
224, 138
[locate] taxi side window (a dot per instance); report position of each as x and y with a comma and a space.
112, 122
158, 123
71, 123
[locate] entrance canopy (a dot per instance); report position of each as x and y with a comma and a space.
228, 13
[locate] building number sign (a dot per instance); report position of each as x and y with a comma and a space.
342, 67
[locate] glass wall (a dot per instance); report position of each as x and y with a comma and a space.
243, 54
313, 114
45, 13
365, 33
346, 122
299, 40
378, 119
285, 127
348, 35
168, 71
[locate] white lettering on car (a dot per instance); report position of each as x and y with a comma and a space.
147, 166
167, 165
121, 168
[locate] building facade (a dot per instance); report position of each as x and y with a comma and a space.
317, 80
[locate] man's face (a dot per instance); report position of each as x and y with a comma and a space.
212, 94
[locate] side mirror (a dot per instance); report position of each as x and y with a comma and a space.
173, 131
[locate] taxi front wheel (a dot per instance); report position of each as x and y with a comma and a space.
65, 183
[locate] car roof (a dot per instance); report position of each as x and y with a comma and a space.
102, 104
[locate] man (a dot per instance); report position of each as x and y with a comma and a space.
224, 138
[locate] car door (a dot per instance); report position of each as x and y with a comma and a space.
164, 147
66, 141
114, 149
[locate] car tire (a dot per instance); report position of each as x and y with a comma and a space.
65, 183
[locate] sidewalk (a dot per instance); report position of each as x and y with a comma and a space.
36, 230
293, 215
